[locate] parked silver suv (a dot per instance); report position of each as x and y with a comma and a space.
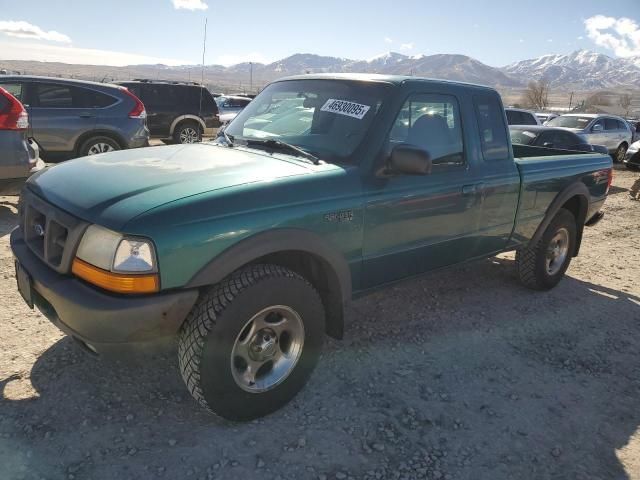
73, 118
597, 129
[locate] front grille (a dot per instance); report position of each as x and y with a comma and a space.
50, 233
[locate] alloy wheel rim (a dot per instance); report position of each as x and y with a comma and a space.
100, 147
622, 152
188, 135
267, 349
557, 251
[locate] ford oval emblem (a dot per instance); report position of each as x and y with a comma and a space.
38, 229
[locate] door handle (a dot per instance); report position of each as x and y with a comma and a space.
473, 189
469, 189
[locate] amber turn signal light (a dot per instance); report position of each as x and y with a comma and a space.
115, 282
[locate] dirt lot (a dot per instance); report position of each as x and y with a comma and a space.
460, 375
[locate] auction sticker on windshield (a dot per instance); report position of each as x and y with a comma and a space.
344, 107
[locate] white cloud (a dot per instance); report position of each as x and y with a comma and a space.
521, 40
234, 59
189, 4
550, 40
622, 35
20, 50
580, 37
388, 40
406, 46
21, 29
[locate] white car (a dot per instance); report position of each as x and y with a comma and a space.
598, 129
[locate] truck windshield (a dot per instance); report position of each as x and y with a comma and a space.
570, 122
327, 118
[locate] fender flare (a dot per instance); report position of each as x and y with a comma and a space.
576, 189
270, 242
179, 119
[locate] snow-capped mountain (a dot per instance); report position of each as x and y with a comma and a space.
449, 67
581, 69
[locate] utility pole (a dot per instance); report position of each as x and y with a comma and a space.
570, 100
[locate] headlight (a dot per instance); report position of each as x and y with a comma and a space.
115, 262
634, 147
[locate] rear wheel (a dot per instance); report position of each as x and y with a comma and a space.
620, 153
542, 266
187, 132
251, 342
96, 145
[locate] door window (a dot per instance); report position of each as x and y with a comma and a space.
610, 124
14, 89
54, 96
493, 132
431, 122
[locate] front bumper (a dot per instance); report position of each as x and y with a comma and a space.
632, 158
105, 323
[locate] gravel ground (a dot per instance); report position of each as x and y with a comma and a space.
463, 374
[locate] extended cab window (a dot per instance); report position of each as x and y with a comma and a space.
431, 122
493, 133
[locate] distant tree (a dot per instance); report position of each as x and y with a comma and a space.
537, 94
598, 99
624, 101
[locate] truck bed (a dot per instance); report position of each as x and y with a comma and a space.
547, 171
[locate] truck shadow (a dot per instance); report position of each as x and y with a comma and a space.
508, 382
8, 217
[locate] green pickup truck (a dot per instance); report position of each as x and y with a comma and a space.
323, 188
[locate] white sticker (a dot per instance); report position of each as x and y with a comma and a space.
344, 107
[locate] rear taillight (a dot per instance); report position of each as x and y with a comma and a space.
138, 110
13, 116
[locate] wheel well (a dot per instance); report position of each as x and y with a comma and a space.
98, 133
322, 276
578, 206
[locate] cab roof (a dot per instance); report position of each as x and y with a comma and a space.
375, 77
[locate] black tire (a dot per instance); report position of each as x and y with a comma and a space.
620, 153
98, 144
187, 132
531, 262
208, 336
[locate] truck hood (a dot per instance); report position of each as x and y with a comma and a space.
111, 189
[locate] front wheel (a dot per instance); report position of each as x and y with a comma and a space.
542, 266
250, 343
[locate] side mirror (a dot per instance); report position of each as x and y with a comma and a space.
409, 160
597, 128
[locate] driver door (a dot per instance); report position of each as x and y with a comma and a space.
414, 223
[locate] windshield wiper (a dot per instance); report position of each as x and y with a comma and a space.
279, 145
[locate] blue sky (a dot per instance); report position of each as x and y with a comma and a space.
170, 31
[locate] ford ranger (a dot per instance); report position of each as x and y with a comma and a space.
325, 187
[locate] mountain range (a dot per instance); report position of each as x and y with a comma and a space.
579, 70
582, 69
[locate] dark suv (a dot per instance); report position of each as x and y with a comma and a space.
180, 111
72, 118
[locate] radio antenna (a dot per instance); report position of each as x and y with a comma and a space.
204, 50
